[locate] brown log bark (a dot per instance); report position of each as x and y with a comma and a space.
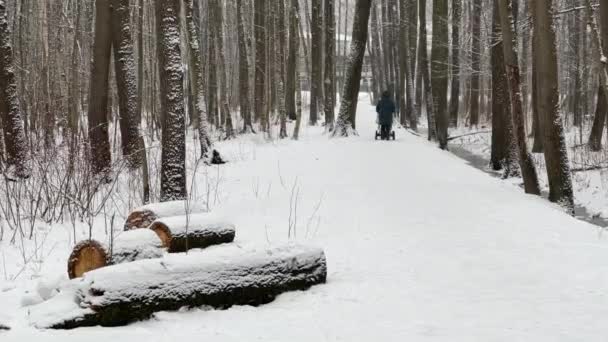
182, 233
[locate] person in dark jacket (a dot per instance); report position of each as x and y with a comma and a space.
385, 109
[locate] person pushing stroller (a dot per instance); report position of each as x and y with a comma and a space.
385, 110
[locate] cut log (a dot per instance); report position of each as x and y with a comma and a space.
143, 216
129, 246
4, 327
219, 278
181, 233
86, 256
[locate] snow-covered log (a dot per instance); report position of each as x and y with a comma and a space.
143, 216
181, 233
218, 277
129, 246
4, 327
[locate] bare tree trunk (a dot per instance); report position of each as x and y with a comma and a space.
423, 66
173, 166
595, 138
406, 69
348, 107
280, 40
198, 83
558, 168
439, 72
317, 59
218, 34
243, 71
10, 111
292, 59
476, 57
98, 103
330, 52
126, 82
526, 164
260, 64
455, 91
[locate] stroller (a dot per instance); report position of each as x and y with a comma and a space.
384, 134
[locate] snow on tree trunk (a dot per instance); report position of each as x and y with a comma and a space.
556, 157
173, 168
198, 83
126, 82
99, 139
526, 164
218, 278
10, 110
350, 93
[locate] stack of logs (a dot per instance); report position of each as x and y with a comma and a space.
150, 231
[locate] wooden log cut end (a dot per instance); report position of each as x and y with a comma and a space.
163, 232
140, 219
86, 256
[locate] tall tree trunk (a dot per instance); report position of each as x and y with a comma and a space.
10, 111
330, 52
425, 71
595, 138
292, 60
556, 157
376, 53
212, 82
280, 39
538, 145
173, 150
455, 89
526, 164
243, 70
407, 106
316, 51
126, 82
348, 107
439, 71
218, 34
260, 64
198, 83
476, 58
98, 103
503, 149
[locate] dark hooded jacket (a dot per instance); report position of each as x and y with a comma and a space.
385, 109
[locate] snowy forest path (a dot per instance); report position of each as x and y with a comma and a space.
420, 246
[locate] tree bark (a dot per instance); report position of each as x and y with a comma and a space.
439, 71
260, 64
518, 134
99, 139
198, 82
243, 70
173, 149
595, 138
209, 279
423, 66
292, 60
316, 50
558, 168
348, 108
126, 82
407, 114
476, 58
330, 55
455, 88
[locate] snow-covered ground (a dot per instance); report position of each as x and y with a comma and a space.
420, 246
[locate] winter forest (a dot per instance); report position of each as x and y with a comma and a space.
303, 170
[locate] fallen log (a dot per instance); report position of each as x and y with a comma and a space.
129, 246
221, 277
181, 233
143, 216
4, 327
